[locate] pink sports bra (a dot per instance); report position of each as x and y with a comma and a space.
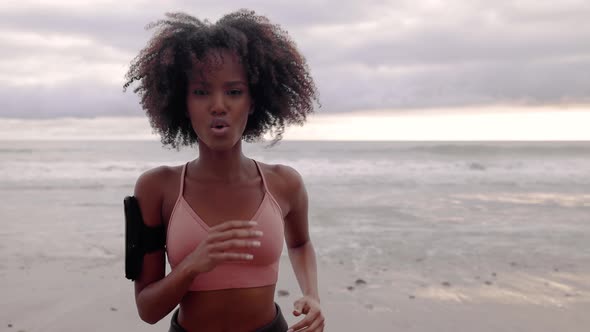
186, 230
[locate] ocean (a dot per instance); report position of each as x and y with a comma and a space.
429, 210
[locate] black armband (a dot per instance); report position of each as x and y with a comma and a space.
139, 238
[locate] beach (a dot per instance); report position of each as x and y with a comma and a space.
92, 295
409, 236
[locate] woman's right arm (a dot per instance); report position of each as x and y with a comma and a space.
157, 294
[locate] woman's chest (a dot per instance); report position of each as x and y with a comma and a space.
214, 204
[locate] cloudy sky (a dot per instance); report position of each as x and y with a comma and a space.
68, 57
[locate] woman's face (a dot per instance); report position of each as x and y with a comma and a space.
219, 102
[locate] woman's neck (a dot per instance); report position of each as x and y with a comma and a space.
228, 166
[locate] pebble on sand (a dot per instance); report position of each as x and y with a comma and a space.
360, 282
113, 309
446, 284
412, 297
350, 288
488, 282
282, 292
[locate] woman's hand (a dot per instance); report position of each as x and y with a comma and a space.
314, 319
223, 243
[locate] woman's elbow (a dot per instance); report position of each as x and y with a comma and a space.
146, 316
146, 311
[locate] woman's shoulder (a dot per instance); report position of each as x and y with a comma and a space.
154, 180
284, 177
151, 188
286, 186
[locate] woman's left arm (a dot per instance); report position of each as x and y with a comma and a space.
302, 255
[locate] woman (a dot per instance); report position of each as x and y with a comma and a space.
226, 215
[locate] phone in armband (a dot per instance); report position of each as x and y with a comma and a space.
139, 238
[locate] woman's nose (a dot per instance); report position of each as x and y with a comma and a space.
218, 103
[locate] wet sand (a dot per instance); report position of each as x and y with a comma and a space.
93, 295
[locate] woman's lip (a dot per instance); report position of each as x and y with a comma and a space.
220, 131
219, 122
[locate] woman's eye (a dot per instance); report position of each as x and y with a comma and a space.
234, 92
200, 92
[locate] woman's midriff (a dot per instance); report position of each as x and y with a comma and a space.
243, 309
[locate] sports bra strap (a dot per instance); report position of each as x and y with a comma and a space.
181, 191
261, 175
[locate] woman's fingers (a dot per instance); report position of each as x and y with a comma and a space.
233, 244
309, 321
300, 307
227, 256
302, 323
233, 224
317, 325
234, 233
218, 250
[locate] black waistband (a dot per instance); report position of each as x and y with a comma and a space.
278, 324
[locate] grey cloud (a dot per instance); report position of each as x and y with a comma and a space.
463, 41
362, 54
126, 29
515, 82
85, 99
120, 31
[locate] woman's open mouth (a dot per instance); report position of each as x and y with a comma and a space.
220, 130
219, 126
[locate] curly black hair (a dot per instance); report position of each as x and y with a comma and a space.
278, 76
